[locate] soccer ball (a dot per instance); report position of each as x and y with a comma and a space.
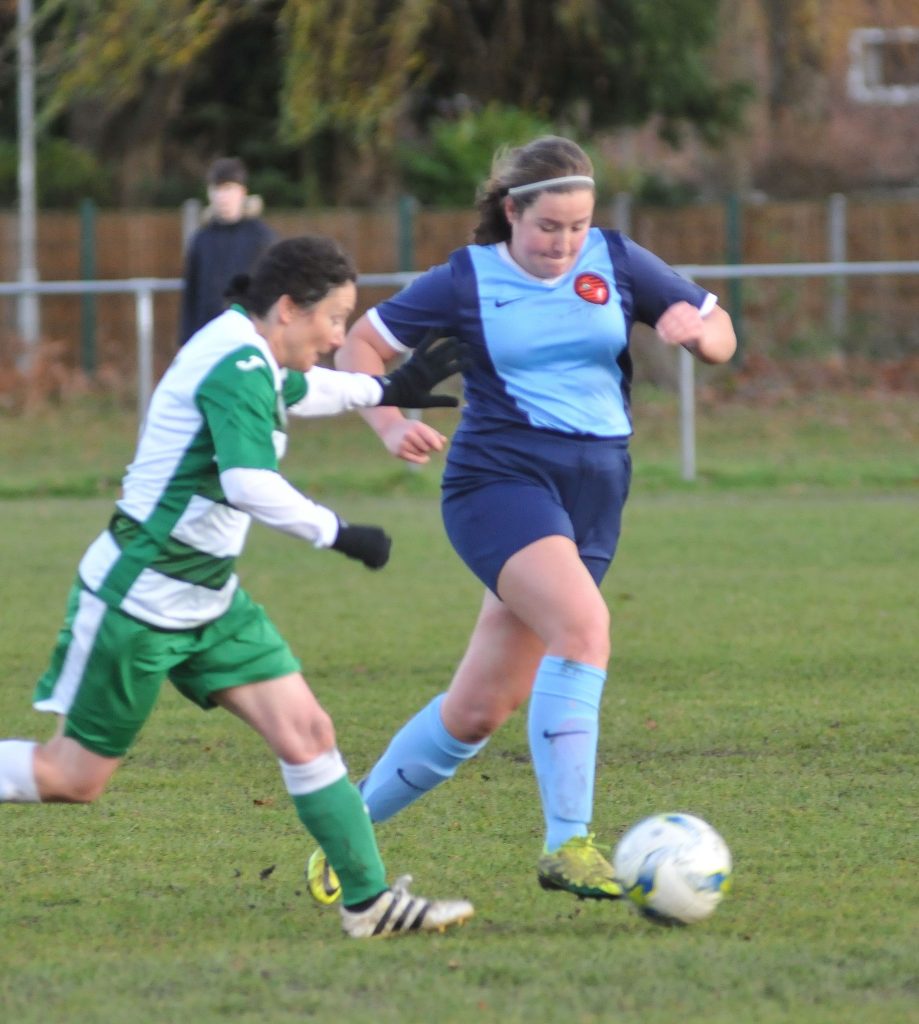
674, 867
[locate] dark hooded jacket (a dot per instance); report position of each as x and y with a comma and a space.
216, 253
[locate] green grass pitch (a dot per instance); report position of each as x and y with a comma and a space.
763, 677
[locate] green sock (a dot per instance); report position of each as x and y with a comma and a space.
336, 818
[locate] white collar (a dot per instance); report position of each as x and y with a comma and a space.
505, 254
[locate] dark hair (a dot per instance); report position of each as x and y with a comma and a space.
227, 170
305, 268
549, 156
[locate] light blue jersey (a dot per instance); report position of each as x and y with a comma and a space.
546, 354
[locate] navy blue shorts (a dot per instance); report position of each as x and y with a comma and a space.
503, 491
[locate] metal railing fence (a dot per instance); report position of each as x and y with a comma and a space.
144, 288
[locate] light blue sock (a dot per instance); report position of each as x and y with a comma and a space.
563, 728
419, 757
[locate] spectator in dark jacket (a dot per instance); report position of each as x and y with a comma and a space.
228, 243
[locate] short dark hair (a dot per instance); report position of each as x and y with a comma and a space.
305, 268
227, 170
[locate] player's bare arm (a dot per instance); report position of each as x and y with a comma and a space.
709, 338
366, 351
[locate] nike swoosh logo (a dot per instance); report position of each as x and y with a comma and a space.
504, 302
411, 785
555, 735
252, 363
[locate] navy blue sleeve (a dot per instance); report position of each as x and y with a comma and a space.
428, 302
656, 285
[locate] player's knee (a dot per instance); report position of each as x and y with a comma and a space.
322, 731
585, 637
85, 791
71, 789
307, 738
65, 773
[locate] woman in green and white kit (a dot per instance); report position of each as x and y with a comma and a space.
157, 595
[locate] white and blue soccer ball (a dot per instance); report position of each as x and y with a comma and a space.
674, 867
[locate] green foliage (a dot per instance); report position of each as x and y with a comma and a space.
446, 168
597, 65
763, 677
278, 191
65, 173
231, 105
349, 65
324, 90
111, 52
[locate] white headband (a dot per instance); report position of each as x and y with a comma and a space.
535, 186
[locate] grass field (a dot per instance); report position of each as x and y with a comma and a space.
764, 677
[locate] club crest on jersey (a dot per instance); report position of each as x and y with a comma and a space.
592, 288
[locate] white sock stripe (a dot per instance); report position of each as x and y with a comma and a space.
322, 771
17, 774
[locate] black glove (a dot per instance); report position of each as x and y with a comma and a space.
368, 544
435, 359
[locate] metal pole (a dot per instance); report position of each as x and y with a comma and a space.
88, 273
191, 219
144, 308
405, 240
622, 212
405, 235
687, 416
734, 254
28, 308
836, 246
686, 375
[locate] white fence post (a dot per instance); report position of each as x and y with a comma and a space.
29, 316
836, 252
191, 220
687, 416
144, 313
622, 212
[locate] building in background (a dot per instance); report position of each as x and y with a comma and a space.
836, 105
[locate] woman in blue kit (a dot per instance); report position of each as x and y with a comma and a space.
535, 481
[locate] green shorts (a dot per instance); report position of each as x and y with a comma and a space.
107, 668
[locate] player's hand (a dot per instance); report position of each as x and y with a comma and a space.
680, 324
435, 359
412, 440
367, 544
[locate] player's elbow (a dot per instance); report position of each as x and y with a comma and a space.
241, 487
719, 342
233, 486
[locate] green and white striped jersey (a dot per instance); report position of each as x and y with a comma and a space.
168, 555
